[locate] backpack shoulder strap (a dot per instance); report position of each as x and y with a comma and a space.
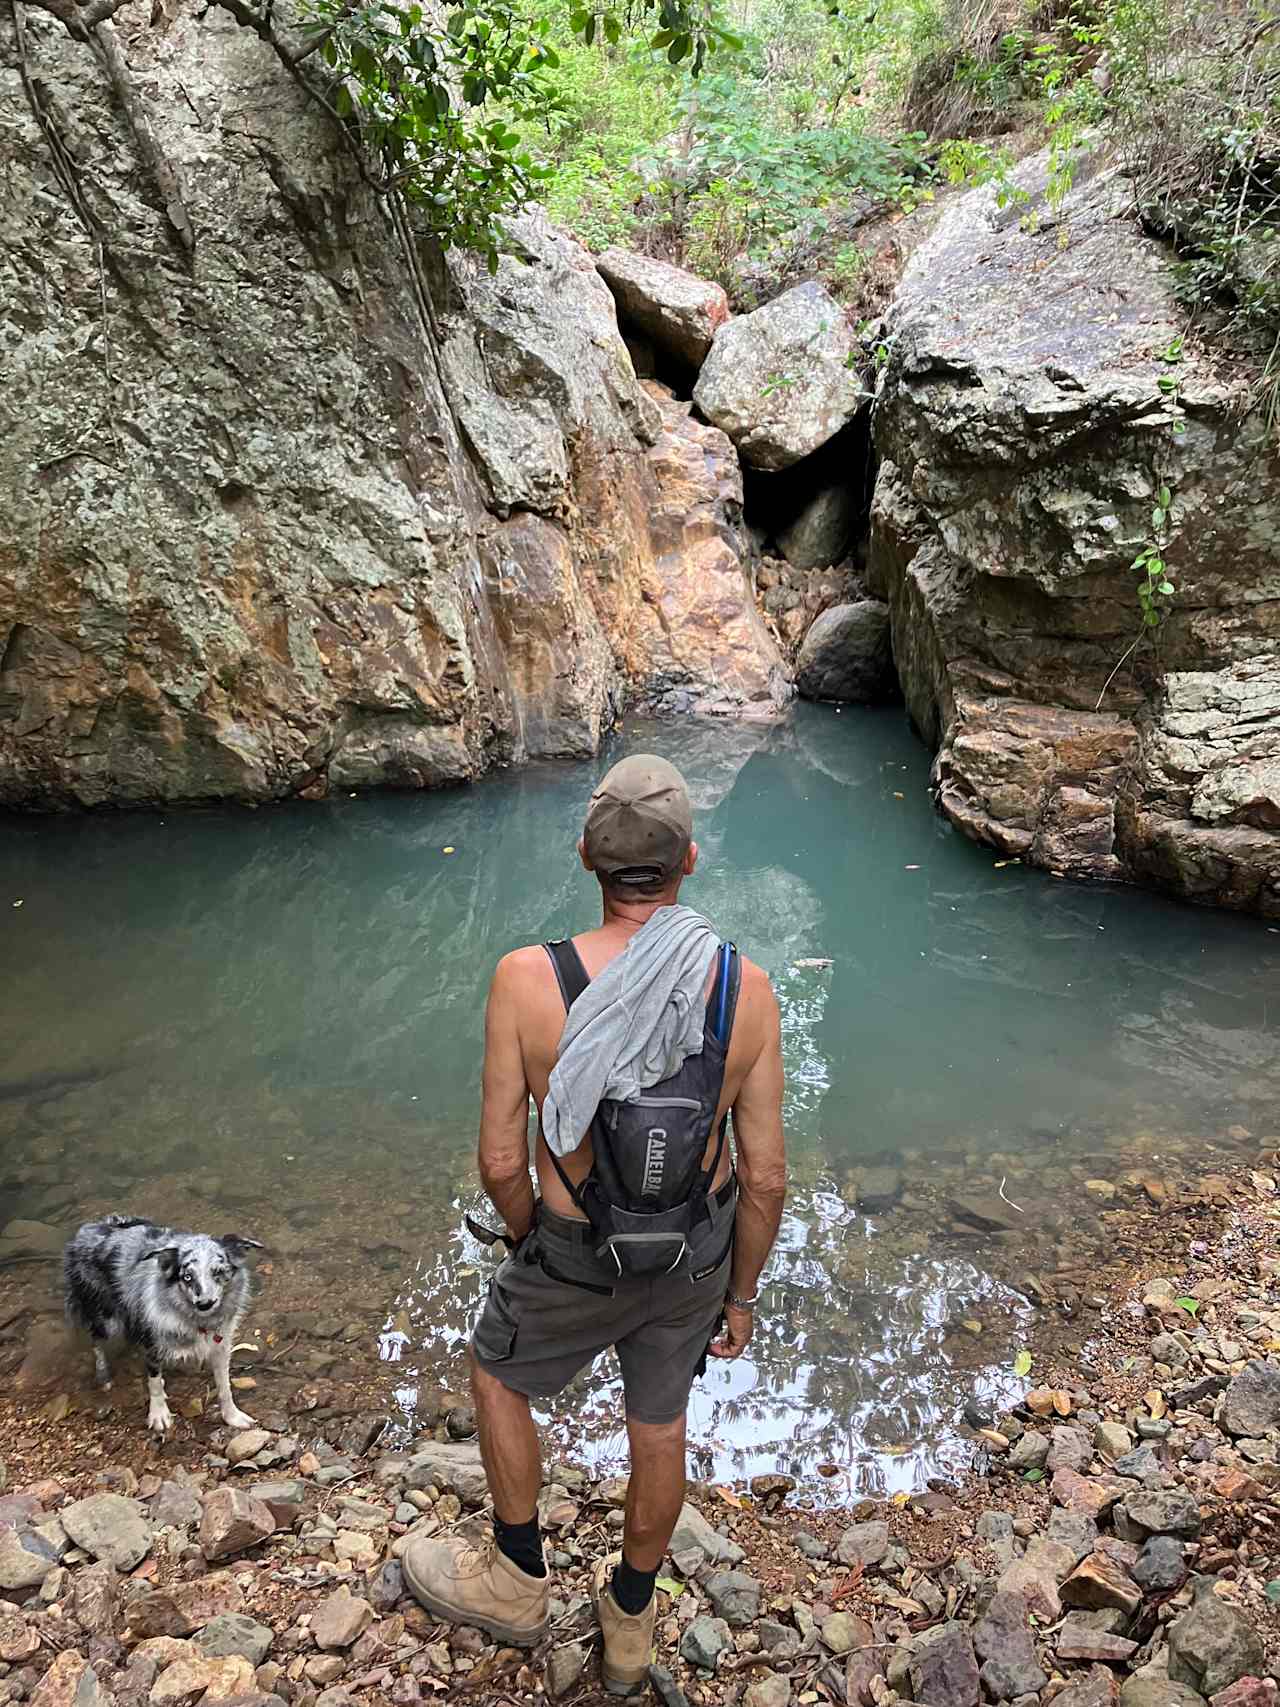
724, 997
571, 974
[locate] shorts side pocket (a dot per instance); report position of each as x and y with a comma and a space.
494, 1339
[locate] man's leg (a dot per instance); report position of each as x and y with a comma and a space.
513, 1466
655, 1492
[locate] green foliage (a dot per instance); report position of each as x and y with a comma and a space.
1194, 104
439, 101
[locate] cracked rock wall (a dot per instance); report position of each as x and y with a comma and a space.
269, 521
1023, 436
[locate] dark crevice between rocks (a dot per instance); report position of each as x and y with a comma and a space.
818, 512
651, 361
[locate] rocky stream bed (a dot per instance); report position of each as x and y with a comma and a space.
1116, 1541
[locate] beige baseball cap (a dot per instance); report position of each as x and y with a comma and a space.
639, 823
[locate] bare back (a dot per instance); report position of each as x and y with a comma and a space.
526, 981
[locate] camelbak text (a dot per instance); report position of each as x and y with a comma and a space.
654, 1161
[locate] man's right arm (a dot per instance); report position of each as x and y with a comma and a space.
761, 1165
504, 1112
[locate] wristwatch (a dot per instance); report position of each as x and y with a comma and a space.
737, 1303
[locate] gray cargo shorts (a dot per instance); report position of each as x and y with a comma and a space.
553, 1307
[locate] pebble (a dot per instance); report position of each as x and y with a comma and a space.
704, 1641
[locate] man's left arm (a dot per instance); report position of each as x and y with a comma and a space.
504, 1109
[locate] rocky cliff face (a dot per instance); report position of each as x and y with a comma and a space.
1024, 434
283, 511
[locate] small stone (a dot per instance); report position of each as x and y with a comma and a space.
772, 1487
664, 1686
1251, 1405
188, 1680
1070, 1449
109, 1527
1169, 1349
1157, 1512
18, 1641
23, 1564
61, 1685
386, 1588
93, 1597
1074, 1529
1213, 1644
842, 1631
734, 1596
564, 1668
1101, 1190
1092, 1496
1150, 1688
1112, 1440
175, 1505
1137, 1465
339, 1619
1077, 1641
943, 1669
1247, 1692
1029, 1452
248, 1443
236, 1633
1003, 1641
1099, 1581
284, 1498
768, 1691
704, 1641
695, 1543
1160, 1563
810, 1546
232, 1522
863, 1544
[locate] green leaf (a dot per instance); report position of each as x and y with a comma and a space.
342, 101
1033, 1475
670, 1587
1272, 1590
1022, 1363
1190, 1305
1168, 588
1152, 618
1164, 497
1157, 519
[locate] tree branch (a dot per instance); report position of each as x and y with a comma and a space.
80, 20
163, 171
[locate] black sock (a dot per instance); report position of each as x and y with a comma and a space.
633, 1589
522, 1544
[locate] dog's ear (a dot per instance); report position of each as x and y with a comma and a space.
236, 1244
166, 1256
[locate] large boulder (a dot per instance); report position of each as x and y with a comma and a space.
783, 380
846, 654
679, 312
1024, 434
305, 509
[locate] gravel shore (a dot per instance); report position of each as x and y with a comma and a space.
1118, 1538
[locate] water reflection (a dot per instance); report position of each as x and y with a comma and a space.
273, 1020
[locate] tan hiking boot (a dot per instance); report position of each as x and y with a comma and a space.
470, 1584
628, 1636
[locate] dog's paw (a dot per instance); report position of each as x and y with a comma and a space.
160, 1418
235, 1418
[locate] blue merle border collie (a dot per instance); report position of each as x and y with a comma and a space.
179, 1296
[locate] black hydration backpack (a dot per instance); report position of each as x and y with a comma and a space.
647, 1190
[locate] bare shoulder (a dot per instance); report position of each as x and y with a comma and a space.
757, 1003
524, 969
